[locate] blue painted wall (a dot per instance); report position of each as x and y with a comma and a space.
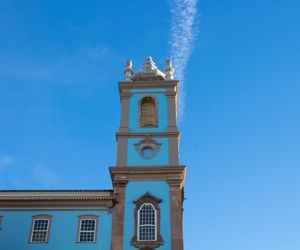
63, 233
134, 190
134, 113
148, 90
134, 159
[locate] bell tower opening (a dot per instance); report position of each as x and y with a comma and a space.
148, 113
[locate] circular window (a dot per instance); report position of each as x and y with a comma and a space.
148, 152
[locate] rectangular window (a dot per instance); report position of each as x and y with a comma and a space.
40, 229
87, 230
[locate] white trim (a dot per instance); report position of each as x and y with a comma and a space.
53, 195
87, 231
155, 222
47, 230
81, 208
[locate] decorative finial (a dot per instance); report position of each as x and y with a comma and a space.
149, 66
128, 71
149, 72
169, 70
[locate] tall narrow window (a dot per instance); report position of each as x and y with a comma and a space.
147, 223
40, 229
87, 228
148, 113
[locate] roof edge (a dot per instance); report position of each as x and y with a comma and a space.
56, 190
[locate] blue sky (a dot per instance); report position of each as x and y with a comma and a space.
59, 107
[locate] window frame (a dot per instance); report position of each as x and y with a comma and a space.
145, 225
147, 198
140, 125
87, 217
36, 218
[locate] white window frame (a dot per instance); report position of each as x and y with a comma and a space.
155, 222
32, 231
83, 218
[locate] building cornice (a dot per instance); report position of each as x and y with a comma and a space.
55, 190
145, 134
56, 198
174, 175
171, 85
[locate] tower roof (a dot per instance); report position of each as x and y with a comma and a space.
148, 72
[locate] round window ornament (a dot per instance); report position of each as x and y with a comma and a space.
148, 152
147, 148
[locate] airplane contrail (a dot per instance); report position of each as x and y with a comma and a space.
182, 40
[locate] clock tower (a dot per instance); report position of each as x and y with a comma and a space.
147, 178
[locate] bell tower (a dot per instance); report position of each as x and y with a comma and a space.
147, 179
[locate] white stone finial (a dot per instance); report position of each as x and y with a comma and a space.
149, 66
149, 72
128, 71
169, 70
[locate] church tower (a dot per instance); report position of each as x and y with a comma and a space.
147, 179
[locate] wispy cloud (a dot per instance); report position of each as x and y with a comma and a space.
28, 177
81, 65
43, 176
182, 39
6, 160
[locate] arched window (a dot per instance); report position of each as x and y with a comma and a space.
146, 223
148, 113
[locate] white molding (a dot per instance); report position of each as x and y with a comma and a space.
55, 195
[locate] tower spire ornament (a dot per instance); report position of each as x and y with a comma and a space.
149, 66
149, 72
169, 70
128, 71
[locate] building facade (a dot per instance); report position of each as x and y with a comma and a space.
144, 208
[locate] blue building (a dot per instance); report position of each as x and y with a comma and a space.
144, 209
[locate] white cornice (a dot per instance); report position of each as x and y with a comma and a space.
55, 194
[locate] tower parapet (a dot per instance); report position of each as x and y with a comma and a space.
149, 71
